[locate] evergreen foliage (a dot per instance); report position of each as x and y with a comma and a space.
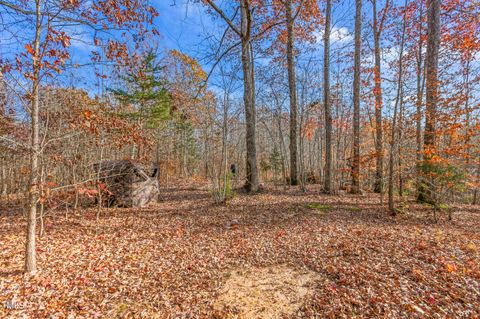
146, 91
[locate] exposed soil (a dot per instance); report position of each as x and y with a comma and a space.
266, 293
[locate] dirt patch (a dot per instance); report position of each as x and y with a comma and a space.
266, 292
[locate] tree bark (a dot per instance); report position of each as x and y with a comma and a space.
400, 144
433, 44
420, 87
468, 132
356, 99
4, 191
476, 192
378, 185
30, 250
391, 203
252, 182
293, 94
326, 101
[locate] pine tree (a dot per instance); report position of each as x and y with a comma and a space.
146, 92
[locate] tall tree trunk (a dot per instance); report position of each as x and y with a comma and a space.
293, 94
3, 103
326, 101
400, 144
391, 203
252, 182
467, 115
468, 129
377, 29
433, 44
30, 250
420, 87
356, 99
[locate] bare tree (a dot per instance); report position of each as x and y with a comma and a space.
356, 99
398, 98
377, 31
420, 88
290, 19
433, 44
326, 101
246, 38
30, 255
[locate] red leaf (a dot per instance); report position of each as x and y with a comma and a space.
29, 49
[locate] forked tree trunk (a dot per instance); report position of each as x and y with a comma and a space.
326, 101
356, 99
245, 34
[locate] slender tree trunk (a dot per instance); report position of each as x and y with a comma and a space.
4, 179
2, 97
468, 130
378, 186
420, 87
467, 115
224, 147
4, 189
356, 99
391, 203
400, 145
433, 43
293, 94
336, 160
42, 204
283, 150
476, 192
205, 145
30, 251
326, 101
252, 182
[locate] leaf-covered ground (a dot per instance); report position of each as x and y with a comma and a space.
172, 260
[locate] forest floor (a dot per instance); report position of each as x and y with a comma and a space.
281, 253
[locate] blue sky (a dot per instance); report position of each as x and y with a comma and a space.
183, 25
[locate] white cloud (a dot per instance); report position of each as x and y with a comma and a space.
391, 54
337, 35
